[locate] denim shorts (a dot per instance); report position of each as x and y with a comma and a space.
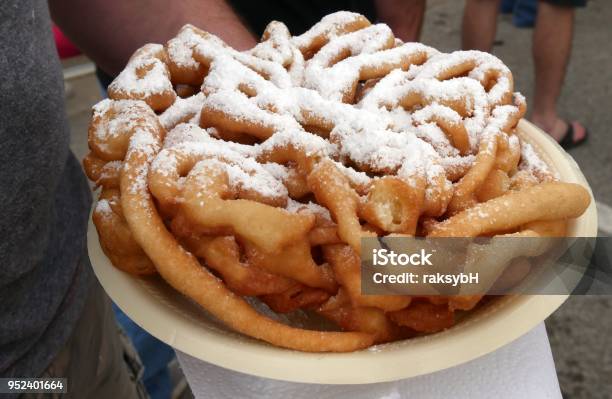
567, 3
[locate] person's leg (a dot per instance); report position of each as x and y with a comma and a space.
154, 354
405, 17
98, 360
552, 44
479, 24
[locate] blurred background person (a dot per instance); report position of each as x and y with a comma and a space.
551, 49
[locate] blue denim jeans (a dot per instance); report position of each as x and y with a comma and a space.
154, 354
524, 12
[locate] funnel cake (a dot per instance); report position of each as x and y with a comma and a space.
256, 174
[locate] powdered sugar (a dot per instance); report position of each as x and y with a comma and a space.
242, 169
356, 178
142, 143
329, 27
283, 87
298, 139
111, 169
276, 45
144, 75
330, 79
532, 163
113, 122
370, 54
180, 48
183, 110
295, 207
103, 208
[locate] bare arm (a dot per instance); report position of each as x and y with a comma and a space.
110, 31
405, 17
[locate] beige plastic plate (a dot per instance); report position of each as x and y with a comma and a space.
175, 320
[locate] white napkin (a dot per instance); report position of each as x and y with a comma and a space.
522, 369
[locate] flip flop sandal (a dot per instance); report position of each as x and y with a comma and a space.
568, 141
